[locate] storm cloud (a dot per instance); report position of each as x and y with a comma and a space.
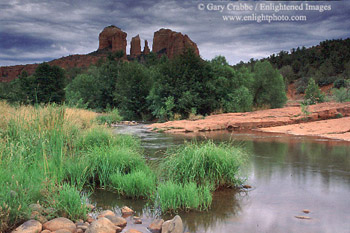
36, 30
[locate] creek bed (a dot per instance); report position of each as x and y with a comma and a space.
287, 174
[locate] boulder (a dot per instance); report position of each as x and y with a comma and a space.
105, 213
156, 226
31, 226
102, 225
112, 38
127, 211
174, 225
146, 49
118, 221
166, 41
46, 231
59, 224
135, 48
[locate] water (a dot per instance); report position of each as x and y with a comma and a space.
287, 173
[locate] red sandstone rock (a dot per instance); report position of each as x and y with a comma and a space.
166, 41
112, 38
135, 48
146, 49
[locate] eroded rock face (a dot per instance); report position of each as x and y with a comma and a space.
112, 38
146, 49
166, 41
135, 48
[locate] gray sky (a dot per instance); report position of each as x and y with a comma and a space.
36, 30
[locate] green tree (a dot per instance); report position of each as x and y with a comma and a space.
131, 90
269, 88
49, 83
313, 94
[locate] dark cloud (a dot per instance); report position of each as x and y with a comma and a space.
38, 30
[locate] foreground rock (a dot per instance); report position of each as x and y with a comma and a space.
267, 119
103, 225
31, 226
127, 211
174, 225
117, 221
156, 226
59, 224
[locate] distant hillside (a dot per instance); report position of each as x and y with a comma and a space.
327, 63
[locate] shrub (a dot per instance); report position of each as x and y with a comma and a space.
313, 94
110, 117
341, 95
69, 202
269, 87
173, 196
204, 163
139, 184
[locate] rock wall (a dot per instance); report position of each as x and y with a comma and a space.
112, 38
135, 48
146, 49
166, 41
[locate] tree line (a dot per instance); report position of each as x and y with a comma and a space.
156, 88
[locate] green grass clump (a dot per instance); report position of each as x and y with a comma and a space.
69, 202
204, 163
173, 196
107, 161
139, 184
109, 117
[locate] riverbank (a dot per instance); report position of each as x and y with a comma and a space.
315, 121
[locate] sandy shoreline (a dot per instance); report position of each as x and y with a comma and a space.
328, 120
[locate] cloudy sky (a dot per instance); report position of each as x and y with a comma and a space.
37, 30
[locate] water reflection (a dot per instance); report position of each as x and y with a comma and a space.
288, 174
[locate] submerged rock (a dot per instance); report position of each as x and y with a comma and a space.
137, 220
174, 225
59, 224
303, 217
31, 226
306, 211
127, 211
156, 226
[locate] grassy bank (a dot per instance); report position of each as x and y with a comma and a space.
48, 154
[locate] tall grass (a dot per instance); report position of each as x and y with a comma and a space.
49, 153
173, 196
139, 184
204, 163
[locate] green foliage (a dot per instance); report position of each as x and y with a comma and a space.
268, 86
172, 196
131, 90
313, 94
138, 184
204, 163
83, 92
110, 117
69, 202
342, 94
49, 83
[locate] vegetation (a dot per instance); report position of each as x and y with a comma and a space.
48, 154
313, 94
157, 88
326, 63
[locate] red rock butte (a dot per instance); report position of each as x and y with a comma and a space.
112, 39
